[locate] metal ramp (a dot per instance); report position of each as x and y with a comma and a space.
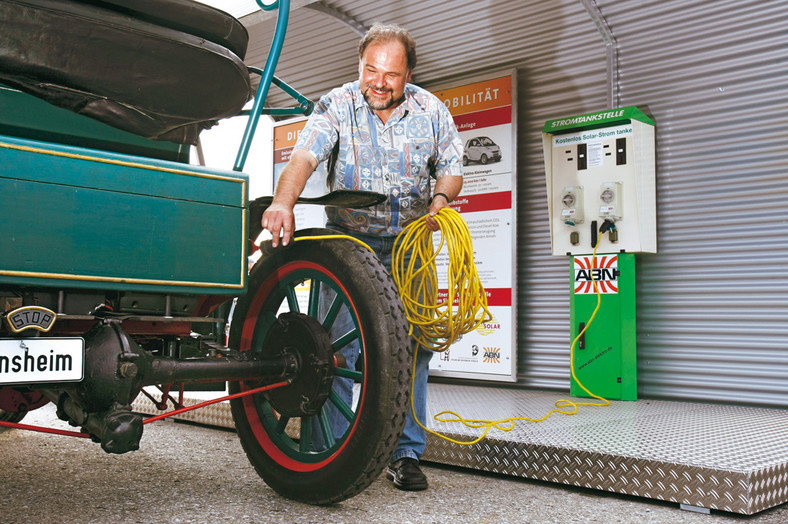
729, 458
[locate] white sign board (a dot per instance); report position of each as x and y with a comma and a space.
484, 112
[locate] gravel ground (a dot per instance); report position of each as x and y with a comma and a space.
187, 473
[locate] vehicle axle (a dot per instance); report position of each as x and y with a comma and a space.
117, 368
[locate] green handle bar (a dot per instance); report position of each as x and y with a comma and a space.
267, 78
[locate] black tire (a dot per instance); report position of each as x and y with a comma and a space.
11, 416
305, 469
483, 159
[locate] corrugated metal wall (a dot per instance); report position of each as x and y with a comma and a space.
712, 305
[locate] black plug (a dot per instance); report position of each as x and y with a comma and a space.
607, 224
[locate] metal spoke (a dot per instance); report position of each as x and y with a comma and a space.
292, 298
356, 376
344, 340
325, 428
333, 311
342, 406
281, 424
305, 442
314, 298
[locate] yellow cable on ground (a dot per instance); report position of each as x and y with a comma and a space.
417, 284
439, 321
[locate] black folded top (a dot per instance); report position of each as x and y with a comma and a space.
163, 69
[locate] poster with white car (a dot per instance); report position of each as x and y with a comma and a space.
484, 112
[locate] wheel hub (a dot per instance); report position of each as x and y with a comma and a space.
309, 341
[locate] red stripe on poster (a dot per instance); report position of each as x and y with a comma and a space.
487, 118
483, 202
282, 155
499, 296
495, 296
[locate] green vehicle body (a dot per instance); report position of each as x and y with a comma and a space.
118, 254
94, 219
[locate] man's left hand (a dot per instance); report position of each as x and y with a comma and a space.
438, 203
446, 189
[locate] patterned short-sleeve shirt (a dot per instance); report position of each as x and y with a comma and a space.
419, 140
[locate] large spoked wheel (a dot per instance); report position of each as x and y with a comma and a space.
329, 434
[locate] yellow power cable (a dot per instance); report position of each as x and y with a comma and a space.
417, 284
329, 237
435, 322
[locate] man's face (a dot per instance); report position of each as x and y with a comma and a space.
383, 73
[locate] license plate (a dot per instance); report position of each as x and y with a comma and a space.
43, 359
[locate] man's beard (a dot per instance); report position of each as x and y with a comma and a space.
383, 104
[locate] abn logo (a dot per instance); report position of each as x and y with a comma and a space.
604, 272
492, 355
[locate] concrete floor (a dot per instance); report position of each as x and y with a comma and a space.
189, 473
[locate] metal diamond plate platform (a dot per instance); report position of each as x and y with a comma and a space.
719, 457
728, 458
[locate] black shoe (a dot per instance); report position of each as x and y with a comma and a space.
407, 475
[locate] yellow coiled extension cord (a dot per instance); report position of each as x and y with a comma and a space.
441, 322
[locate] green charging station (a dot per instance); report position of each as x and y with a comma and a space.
600, 172
604, 358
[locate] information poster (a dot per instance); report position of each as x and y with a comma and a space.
285, 136
484, 112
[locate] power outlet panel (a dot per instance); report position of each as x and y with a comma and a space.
601, 167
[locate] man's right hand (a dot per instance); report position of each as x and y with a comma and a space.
280, 221
279, 218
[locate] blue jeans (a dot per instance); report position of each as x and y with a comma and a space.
414, 438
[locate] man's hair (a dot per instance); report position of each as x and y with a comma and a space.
381, 33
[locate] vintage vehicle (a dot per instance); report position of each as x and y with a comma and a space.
120, 260
481, 149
